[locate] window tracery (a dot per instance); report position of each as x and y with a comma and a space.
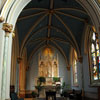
75, 68
94, 55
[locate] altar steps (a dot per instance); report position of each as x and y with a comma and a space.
58, 98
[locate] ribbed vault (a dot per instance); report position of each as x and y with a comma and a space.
59, 23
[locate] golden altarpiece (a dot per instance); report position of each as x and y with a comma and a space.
48, 63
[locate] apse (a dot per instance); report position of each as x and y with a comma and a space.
53, 64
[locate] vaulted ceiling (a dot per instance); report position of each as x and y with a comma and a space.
58, 23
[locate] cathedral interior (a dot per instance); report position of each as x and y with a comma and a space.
50, 50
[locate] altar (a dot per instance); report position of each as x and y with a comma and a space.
48, 67
51, 84
45, 89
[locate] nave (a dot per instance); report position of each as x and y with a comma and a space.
50, 49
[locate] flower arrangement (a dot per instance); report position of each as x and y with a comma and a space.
39, 83
56, 79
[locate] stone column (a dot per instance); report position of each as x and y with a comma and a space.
6, 61
2, 36
19, 60
69, 74
80, 59
17, 79
21, 78
8, 71
13, 66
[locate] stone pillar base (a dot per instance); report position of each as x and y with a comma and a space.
22, 94
8, 99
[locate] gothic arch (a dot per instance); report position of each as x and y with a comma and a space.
40, 47
12, 10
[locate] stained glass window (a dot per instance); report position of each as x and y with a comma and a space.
75, 79
95, 57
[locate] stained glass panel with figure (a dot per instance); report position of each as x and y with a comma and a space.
95, 57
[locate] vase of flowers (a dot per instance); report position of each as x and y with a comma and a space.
40, 82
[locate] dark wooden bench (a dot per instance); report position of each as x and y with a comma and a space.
76, 95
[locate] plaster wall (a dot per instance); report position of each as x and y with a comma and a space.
79, 70
89, 91
84, 81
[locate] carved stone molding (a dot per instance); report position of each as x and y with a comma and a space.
1, 19
13, 34
7, 34
21, 93
93, 28
80, 59
19, 59
7, 27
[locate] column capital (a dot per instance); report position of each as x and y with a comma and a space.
19, 59
93, 28
7, 27
80, 59
68, 68
1, 19
27, 68
13, 34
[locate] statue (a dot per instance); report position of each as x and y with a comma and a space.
41, 67
55, 69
